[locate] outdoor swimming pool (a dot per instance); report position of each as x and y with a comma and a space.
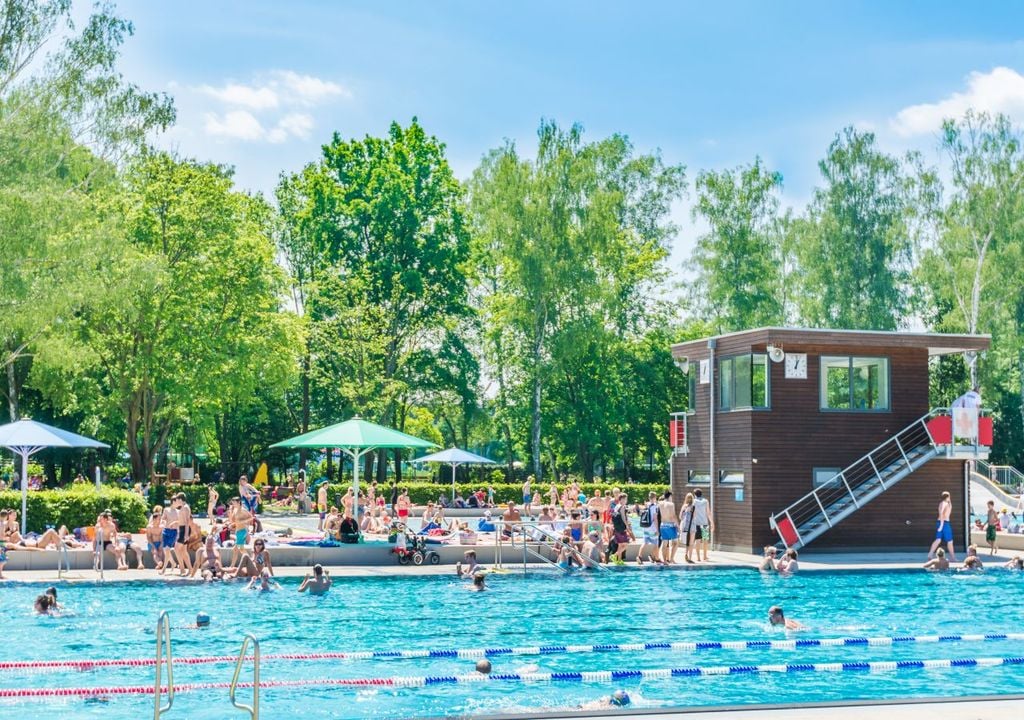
395, 613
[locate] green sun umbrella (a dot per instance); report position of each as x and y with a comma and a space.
355, 438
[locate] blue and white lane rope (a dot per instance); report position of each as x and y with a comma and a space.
604, 676
476, 653
691, 646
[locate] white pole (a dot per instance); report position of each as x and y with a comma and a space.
24, 488
454, 465
97, 477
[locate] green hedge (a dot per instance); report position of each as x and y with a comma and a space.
78, 506
420, 492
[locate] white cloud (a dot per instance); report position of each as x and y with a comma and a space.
268, 108
257, 98
236, 124
296, 124
999, 91
307, 89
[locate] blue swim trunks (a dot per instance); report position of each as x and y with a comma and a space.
669, 531
943, 531
170, 537
241, 536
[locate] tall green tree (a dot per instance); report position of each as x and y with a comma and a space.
66, 117
190, 326
571, 245
384, 218
854, 261
740, 258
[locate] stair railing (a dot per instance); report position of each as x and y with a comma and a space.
254, 709
882, 462
163, 655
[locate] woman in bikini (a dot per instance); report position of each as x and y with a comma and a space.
253, 565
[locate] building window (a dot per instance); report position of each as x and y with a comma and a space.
691, 393
859, 384
699, 477
743, 382
730, 477
823, 475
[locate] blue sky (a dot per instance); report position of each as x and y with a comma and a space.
261, 85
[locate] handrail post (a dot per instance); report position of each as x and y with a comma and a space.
853, 496
99, 551
902, 452
877, 474
825, 514
163, 653
254, 709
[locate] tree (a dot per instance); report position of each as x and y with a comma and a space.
740, 258
570, 246
384, 217
855, 258
190, 323
66, 115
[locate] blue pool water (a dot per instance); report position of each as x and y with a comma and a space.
116, 621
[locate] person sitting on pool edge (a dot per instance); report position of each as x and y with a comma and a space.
939, 562
778, 619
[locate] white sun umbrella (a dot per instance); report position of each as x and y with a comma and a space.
27, 437
455, 457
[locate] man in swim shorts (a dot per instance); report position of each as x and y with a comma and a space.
321, 504
239, 519
669, 528
943, 529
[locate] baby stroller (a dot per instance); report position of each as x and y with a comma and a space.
413, 549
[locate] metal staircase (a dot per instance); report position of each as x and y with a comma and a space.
865, 479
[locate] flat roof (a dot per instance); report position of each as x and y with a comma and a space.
936, 343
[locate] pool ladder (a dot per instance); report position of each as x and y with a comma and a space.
163, 654
254, 709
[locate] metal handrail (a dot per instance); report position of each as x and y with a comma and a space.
842, 480
163, 654
254, 709
548, 536
99, 552
999, 474
63, 559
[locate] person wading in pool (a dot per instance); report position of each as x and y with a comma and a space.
943, 529
318, 584
778, 619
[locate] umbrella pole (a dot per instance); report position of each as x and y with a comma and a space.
24, 490
454, 465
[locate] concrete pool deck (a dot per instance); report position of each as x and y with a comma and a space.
968, 708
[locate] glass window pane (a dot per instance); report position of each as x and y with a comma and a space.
699, 478
691, 395
824, 475
741, 370
835, 383
730, 477
870, 384
759, 381
725, 384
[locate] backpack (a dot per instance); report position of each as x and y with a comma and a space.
645, 517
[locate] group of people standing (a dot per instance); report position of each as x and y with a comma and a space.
664, 528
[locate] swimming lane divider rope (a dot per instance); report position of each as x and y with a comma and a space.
471, 653
555, 677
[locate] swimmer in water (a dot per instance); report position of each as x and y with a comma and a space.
939, 562
768, 561
1016, 563
319, 583
478, 583
52, 592
778, 619
468, 567
262, 582
44, 605
618, 699
972, 561
483, 666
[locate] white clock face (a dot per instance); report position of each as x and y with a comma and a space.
796, 365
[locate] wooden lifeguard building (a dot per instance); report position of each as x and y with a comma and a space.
823, 436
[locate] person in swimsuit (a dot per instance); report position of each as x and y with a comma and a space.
991, 526
972, 561
212, 567
321, 505
318, 584
262, 582
939, 562
943, 528
669, 528
254, 565
155, 536
239, 520
169, 528
184, 520
778, 619
768, 560
1016, 563
248, 494
212, 496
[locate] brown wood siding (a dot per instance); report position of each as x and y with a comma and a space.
778, 449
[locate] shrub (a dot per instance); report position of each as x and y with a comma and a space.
78, 506
422, 492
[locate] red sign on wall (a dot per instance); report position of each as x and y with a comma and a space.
676, 433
